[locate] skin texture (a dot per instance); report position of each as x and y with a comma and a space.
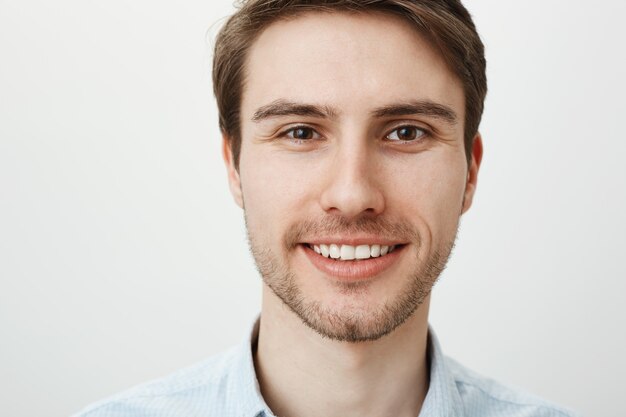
331, 346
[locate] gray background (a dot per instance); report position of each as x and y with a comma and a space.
123, 258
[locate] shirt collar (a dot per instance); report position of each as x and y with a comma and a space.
244, 386
442, 399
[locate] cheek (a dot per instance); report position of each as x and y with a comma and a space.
276, 192
430, 190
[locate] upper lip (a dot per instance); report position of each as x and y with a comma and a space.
353, 240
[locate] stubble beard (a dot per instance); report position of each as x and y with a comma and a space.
350, 326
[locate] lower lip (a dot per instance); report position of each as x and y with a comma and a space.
352, 270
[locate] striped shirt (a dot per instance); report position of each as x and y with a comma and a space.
225, 385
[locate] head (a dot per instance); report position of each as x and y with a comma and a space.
446, 24
351, 127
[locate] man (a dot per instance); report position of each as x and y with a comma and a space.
351, 142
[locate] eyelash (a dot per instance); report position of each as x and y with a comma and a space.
286, 133
425, 133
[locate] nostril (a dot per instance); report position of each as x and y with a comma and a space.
351, 195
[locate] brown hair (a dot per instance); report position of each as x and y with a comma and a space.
445, 23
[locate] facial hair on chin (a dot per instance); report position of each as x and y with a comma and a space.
349, 326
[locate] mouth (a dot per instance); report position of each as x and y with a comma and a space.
352, 262
350, 252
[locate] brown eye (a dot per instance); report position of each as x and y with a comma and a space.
302, 133
406, 133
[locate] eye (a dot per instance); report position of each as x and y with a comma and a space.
302, 133
406, 133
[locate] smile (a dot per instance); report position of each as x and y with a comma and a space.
350, 253
355, 262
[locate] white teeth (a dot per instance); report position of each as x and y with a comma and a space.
349, 252
362, 252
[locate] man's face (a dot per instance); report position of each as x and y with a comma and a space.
352, 143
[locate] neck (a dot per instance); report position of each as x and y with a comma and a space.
302, 374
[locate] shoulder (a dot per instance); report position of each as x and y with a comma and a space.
201, 386
485, 397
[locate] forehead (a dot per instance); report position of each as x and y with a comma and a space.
347, 60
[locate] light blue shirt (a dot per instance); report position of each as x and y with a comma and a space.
225, 385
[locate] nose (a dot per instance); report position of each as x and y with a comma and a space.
353, 186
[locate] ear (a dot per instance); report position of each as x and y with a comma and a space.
234, 181
472, 173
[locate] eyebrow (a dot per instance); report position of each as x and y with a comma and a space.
290, 108
424, 107
428, 108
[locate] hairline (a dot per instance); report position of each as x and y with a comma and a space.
299, 11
